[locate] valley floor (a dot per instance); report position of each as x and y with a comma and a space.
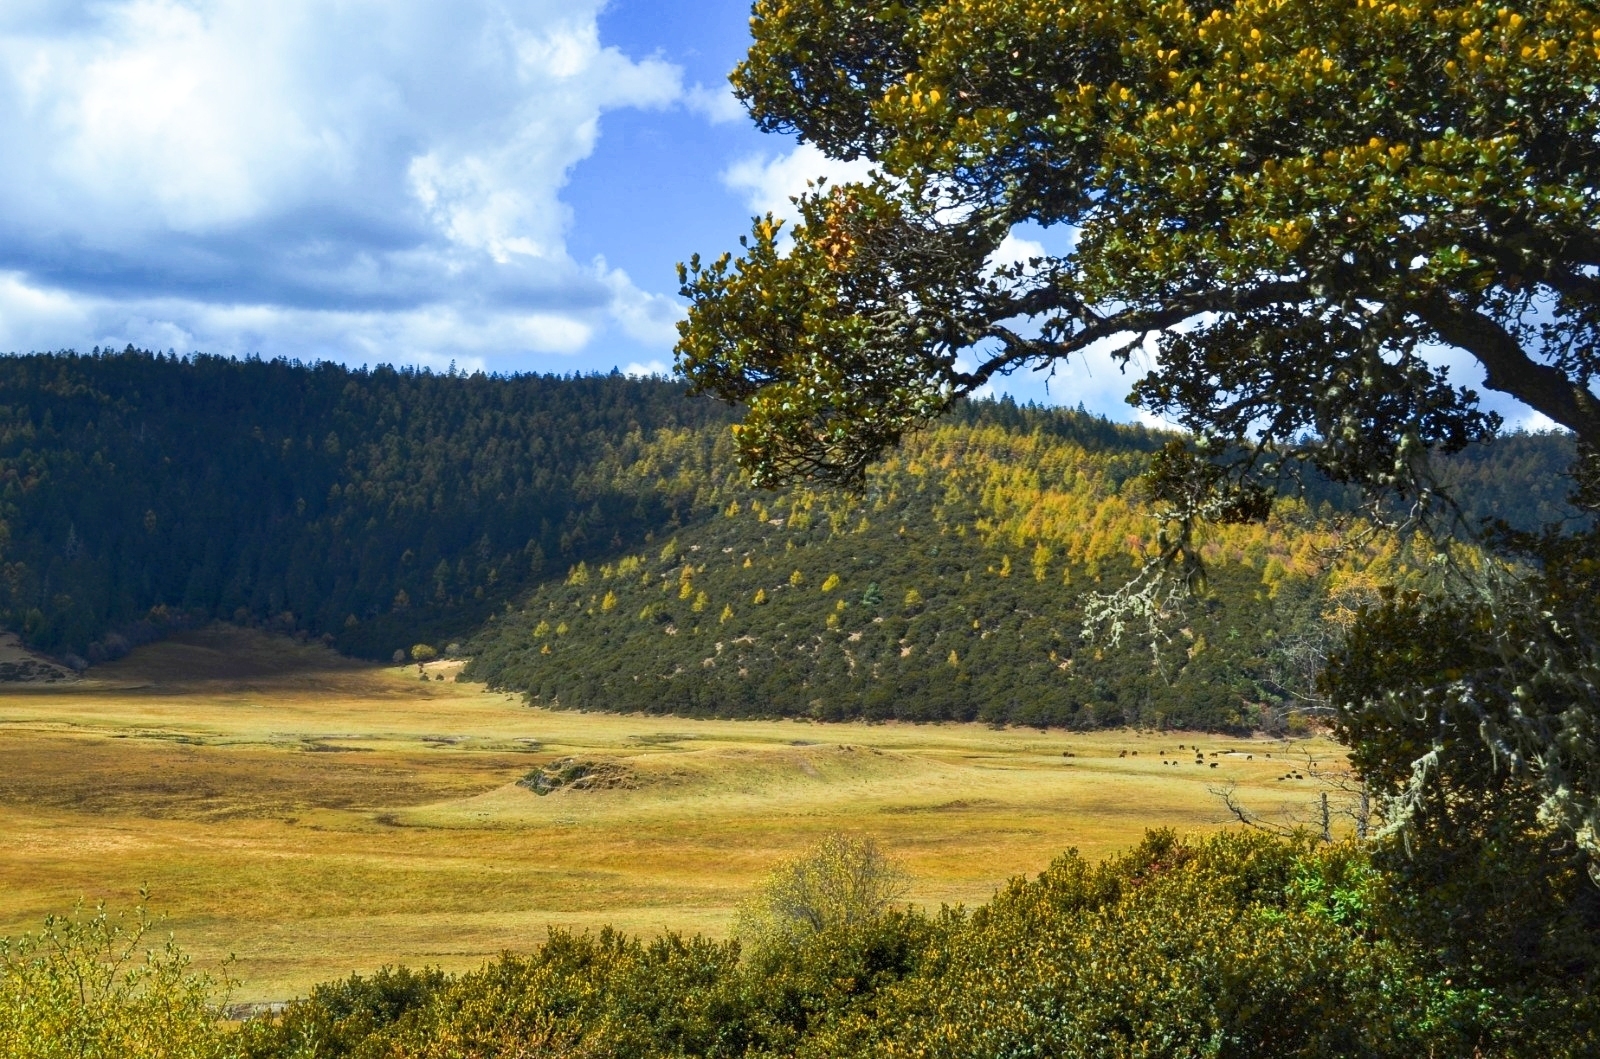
314, 817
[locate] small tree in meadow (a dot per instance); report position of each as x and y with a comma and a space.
840, 881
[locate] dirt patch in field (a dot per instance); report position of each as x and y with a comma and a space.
956, 806
574, 774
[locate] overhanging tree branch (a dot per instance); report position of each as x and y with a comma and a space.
1508, 367
1098, 328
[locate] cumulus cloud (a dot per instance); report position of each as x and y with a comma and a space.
769, 182
647, 318
1016, 250
648, 369
313, 177
717, 105
1101, 382
1093, 377
1466, 370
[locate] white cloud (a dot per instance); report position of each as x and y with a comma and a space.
769, 183
1465, 370
1096, 379
352, 174
1093, 377
648, 368
719, 106
1015, 250
647, 318
1535, 422
32, 319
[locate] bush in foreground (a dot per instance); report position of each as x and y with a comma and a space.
85, 987
842, 881
1237, 945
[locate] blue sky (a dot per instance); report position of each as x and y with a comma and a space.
503, 184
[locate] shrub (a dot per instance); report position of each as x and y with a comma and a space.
842, 881
1243, 945
606, 995
339, 1017
1240, 945
85, 987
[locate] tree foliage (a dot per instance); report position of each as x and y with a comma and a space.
1287, 205
376, 508
841, 882
1460, 704
339, 1018
1286, 200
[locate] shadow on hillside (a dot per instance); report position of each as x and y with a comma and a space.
229, 654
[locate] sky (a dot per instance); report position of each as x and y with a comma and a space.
505, 185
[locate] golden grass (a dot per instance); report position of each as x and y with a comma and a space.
317, 817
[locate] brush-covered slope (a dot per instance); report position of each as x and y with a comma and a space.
952, 587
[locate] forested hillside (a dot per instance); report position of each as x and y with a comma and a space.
596, 534
379, 508
952, 587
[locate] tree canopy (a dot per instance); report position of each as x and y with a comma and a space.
377, 508
1293, 208
1286, 202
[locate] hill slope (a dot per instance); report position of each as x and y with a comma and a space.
953, 587
598, 535
377, 508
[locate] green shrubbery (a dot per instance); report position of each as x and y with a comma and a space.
1242, 944
85, 987
1218, 948
339, 1017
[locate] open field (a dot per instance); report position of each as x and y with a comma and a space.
314, 816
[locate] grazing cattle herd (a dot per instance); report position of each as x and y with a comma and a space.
1200, 756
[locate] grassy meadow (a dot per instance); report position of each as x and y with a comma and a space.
313, 816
